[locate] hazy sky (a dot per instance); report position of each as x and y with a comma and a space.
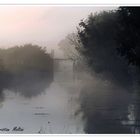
44, 25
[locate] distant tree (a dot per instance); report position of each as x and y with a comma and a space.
129, 34
69, 46
27, 57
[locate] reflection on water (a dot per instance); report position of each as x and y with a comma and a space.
35, 104
109, 108
104, 107
30, 84
32, 103
51, 112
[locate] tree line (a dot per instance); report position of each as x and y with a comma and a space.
25, 58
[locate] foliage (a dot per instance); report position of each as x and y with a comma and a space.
25, 58
69, 46
98, 37
129, 34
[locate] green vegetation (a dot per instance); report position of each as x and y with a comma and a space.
109, 36
98, 36
26, 69
128, 34
25, 58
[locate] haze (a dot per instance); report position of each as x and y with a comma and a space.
42, 25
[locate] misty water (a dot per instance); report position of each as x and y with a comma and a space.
39, 107
70, 104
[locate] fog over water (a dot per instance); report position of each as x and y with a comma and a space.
46, 93
41, 108
84, 105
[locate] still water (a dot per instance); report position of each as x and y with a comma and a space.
35, 107
50, 112
68, 105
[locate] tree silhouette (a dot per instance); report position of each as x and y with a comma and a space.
97, 35
27, 57
129, 34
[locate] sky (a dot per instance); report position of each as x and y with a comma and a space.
41, 25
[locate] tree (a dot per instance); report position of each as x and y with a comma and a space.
69, 46
27, 57
97, 35
129, 34
129, 47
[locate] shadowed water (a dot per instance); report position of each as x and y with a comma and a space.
69, 104
33, 103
